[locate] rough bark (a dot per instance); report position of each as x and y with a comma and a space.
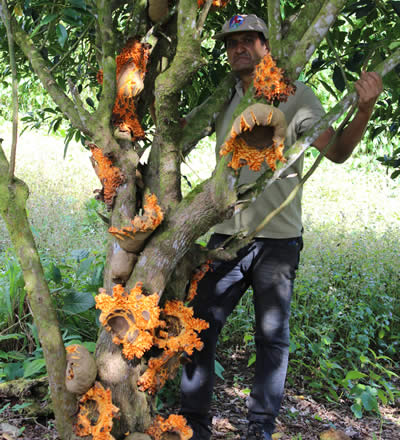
13, 198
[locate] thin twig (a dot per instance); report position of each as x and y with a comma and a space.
339, 62
73, 47
6, 17
203, 16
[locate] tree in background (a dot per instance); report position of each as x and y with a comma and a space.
124, 73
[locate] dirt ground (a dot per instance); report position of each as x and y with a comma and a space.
302, 418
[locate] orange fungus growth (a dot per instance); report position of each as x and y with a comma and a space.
270, 82
130, 72
130, 317
151, 218
96, 412
174, 424
159, 370
215, 3
254, 118
181, 331
253, 157
178, 335
196, 278
110, 176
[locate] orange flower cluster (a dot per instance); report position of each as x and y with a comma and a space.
131, 69
174, 424
151, 218
254, 158
270, 82
180, 335
131, 318
110, 176
102, 412
197, 276
215, 3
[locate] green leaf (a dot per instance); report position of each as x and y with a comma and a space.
369, 401
357, 410
54, 273
252, 359
78, 302
62, 34
84, 266
219, 369
11, 336
46, 20
78, 4
32, 368
382, 396
329, 89
90, 102
354, 374
338, 79
91, 346
5, 407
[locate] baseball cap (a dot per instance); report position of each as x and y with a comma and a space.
242, 23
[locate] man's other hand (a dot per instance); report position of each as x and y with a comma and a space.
368, 87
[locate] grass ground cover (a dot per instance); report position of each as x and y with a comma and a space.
345, 315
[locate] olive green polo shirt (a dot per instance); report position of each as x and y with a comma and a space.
302, 110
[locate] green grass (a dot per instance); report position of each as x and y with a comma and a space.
345, 321
61, 204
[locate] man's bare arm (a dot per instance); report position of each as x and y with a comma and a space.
368, 87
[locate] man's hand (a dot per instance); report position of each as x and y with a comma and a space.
368, 87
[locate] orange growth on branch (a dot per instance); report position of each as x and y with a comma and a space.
181, 331
130, 72
257, 135
130, 317
215, 3
96, 412
270, 82
144, 224
179, 335
174, 424
253, 157
196, 278
159, 370
110, 176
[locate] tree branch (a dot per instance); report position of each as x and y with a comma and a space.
201, 120
295, 58
295, 31
12, 208
6, 17
108, 64
168, 85
203, 16
275, 28
81, 119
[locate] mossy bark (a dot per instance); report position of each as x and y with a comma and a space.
13, 196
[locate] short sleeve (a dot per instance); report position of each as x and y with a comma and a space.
309, 111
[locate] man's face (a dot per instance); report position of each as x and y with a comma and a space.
244, 50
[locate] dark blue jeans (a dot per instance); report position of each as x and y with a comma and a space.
269, 266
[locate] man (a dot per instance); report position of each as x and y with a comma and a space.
268, 264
